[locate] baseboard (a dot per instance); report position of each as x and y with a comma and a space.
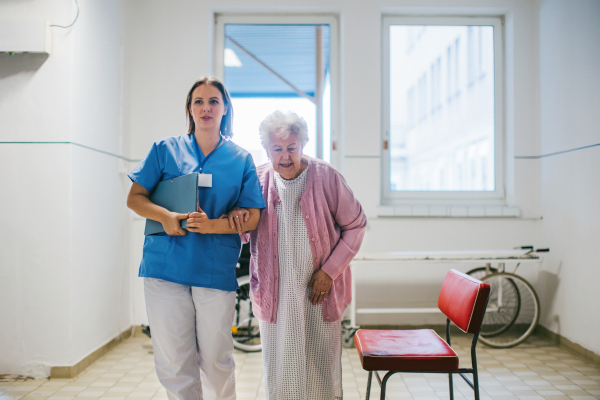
565, 343
73, 370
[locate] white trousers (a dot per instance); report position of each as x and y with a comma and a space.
191, 336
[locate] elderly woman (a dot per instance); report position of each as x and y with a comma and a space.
300, 280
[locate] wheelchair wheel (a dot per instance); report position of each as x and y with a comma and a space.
512, 313
506, 312
245, 329
348, 334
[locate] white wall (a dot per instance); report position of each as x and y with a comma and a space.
167, 47
64, 236
35, 257
99, 230
569, 35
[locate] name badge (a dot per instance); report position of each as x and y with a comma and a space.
204, 180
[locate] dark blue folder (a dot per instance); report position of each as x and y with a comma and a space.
179, 195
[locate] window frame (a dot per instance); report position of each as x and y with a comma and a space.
265, 18
496, 197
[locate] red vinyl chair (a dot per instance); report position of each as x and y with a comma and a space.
463, 299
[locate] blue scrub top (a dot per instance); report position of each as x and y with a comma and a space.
195, 259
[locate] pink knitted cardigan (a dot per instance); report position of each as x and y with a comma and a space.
336, 224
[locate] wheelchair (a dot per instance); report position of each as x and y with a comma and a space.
245, 329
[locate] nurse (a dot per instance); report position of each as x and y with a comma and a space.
189, 275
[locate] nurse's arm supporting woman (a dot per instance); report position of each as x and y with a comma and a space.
200, 223
139, 201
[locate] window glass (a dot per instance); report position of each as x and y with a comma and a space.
442, 128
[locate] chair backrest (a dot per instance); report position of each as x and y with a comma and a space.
463, 300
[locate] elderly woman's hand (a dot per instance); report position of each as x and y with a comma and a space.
320, 283
237, 218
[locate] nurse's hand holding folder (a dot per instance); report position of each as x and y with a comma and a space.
139, 200
172, 223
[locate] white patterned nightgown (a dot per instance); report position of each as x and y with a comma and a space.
302, 354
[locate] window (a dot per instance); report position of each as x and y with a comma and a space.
451, 151
282, 63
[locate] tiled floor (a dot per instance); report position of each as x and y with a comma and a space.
534, 370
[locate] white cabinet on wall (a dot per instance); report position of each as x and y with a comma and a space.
25, 36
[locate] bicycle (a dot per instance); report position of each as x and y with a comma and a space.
513, 309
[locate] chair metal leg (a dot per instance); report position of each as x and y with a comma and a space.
369, 385
451, 384
384, 382
474, 365
475, 383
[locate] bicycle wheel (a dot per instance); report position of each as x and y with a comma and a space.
480, 272
504, 314
245, 330
509, 293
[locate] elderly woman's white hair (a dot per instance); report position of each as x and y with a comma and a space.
281, 125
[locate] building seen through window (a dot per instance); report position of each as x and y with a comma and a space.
441, 108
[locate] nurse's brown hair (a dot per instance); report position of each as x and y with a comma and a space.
227, 121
